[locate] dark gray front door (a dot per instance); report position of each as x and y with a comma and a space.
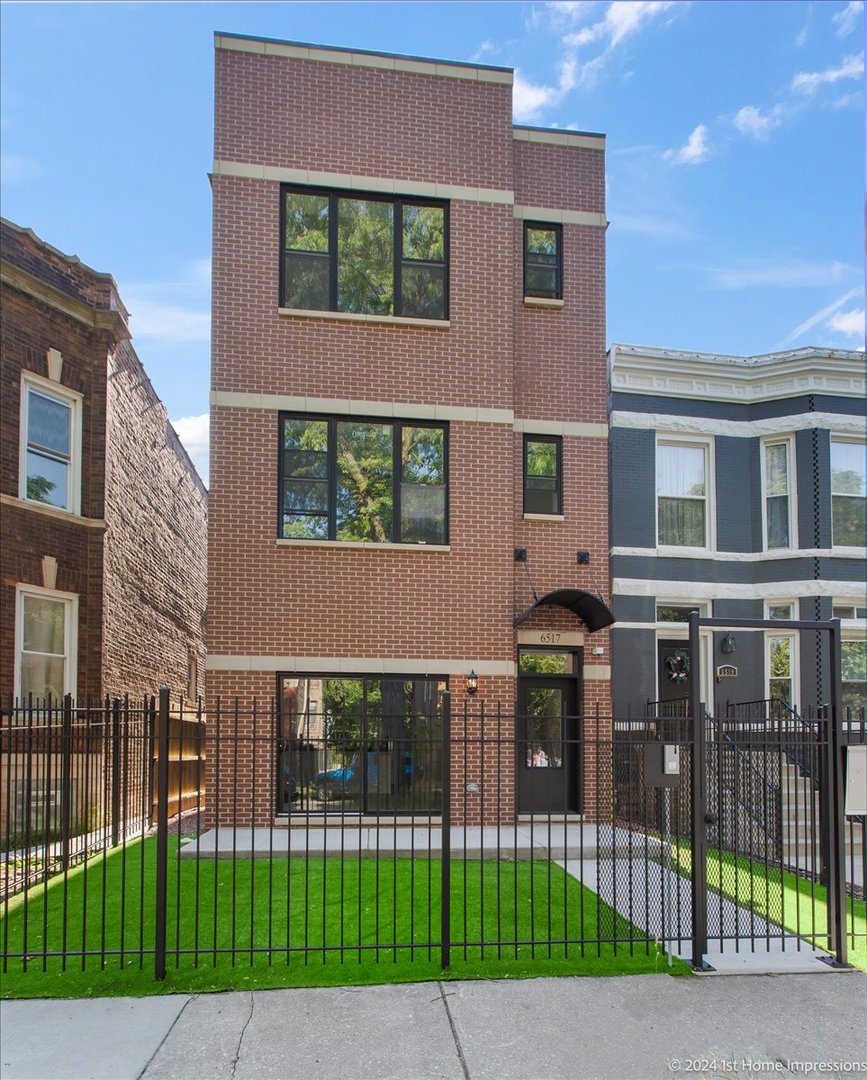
548, 758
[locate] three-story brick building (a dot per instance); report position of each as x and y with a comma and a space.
408, 425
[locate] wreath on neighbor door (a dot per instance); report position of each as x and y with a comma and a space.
678, 666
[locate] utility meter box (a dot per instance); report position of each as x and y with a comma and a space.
856, 781
662, 765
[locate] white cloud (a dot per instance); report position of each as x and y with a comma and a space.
621, 19
784, 274
751, 121
846, 20
172, 312
195, 433
486, 48
694, 151
823, 315
167, 322
809, 82
625, 17
529, 100
850, 323
18, 169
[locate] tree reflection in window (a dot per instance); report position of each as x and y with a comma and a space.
364, 256
361, 480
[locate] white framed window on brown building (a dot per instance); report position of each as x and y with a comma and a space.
50, 470
46, 643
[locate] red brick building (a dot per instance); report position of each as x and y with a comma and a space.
408, 397
104, 518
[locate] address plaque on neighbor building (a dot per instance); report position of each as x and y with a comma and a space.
561, 638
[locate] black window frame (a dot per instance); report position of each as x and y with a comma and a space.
557, 441
397, 202
557, 229
397, 425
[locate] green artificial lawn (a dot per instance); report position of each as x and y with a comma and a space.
386, 911
786, 899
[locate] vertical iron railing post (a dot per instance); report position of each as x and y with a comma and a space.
446, 845
66, 781
699, 808
150, 708
826, 794
836, 803
162, 770
115, 772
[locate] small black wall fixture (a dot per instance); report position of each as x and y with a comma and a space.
729, 644
472, 683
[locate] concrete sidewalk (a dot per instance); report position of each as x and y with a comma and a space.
622, 1028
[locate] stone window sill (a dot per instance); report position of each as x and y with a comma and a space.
542, 302
356, 545
544, 517
381, 320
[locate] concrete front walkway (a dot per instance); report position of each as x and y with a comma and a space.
559, 840
645, 1027
659, 900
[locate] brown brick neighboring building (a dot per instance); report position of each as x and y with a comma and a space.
408, 387
104, 518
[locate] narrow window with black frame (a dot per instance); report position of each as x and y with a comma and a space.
543, 473
543, 260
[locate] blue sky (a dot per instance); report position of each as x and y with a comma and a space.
734, 166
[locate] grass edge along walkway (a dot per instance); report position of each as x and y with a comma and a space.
779, 896
387, 910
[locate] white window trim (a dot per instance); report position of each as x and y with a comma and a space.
794, 651
856, 552
30, 381
706, 444
672, 631
70, 670
791, 491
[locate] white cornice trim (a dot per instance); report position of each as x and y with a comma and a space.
742, 556
765, 590
378, 61
564, 217
402, 410
670, 373
357, 182
585, 140
840, 423
338, 665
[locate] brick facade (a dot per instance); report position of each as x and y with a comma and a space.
132, 555
496, 369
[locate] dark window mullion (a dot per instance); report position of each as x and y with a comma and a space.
398, 257
333, 201
332, 479
397, 482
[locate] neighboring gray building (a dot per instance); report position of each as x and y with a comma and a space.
737, 487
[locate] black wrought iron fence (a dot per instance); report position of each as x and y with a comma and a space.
482, 835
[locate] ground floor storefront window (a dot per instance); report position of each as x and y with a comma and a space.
360, 744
